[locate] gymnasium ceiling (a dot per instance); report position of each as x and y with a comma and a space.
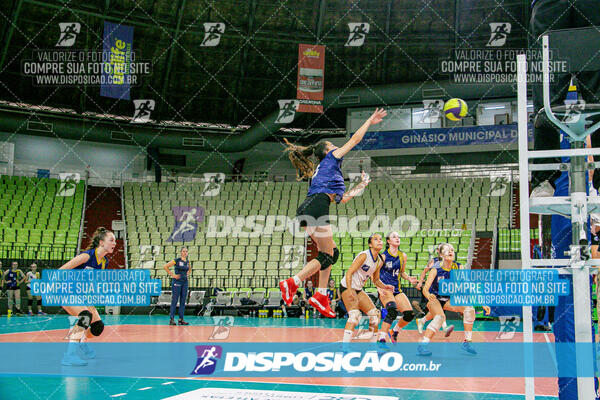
239, 81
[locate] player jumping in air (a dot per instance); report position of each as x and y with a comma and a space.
327, 185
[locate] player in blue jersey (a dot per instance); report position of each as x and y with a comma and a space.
393, 268
180, 284
326, 186
438, 304
13, 278
88, 322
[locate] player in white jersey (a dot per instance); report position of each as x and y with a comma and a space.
366, 265
33, 274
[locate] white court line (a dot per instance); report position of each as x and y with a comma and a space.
145, 388
165, 383
46, 319
551, 349
118, 395
367, 387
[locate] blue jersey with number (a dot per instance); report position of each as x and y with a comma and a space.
328, 177
94, 262
330, 294
11, 279
181, 268
390, 270
442, 273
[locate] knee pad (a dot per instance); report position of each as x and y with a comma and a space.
336, 255
84, 319
408, 315
392, 313
354, 317
436, 323
373, 317
325, 260
96, 328
469, 315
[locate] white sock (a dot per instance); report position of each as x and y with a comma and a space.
444, 325
382, 335
468, 335
374, 337
425, 339
396, 328
297, 280
347, 336
323, 291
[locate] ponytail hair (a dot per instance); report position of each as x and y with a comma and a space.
299, 156
98, 235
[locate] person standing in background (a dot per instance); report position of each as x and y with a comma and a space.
180, 284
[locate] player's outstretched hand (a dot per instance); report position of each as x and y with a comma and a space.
377, 116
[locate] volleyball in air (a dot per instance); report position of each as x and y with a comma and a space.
455, 109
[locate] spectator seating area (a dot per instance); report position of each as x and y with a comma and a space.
230, 261
238, 261
509, 240
36, 222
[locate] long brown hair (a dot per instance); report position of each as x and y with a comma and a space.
299, 156
99, 235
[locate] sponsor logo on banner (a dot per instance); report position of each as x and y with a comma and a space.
287, 111
311, 71
432, 111
148, 255
207, 359
500, 31
68, 33
293, 256
187, 220
68, 184
212, 34
358, 33
213, 182
143, 108
117, 61
508, 327
222, 327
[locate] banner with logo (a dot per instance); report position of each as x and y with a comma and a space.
311, 71
117, 53
461, 136
280, 359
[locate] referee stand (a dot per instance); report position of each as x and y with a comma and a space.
580, 47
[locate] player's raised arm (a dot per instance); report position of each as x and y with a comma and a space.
76, 262
355, 139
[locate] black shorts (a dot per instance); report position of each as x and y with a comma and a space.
443, 301
343, 289
313, 209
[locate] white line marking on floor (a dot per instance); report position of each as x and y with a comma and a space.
145, 388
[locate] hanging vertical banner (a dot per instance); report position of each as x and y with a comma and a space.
117, 56
311, 66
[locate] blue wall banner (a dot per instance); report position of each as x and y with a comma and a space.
435, 137
117, 57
